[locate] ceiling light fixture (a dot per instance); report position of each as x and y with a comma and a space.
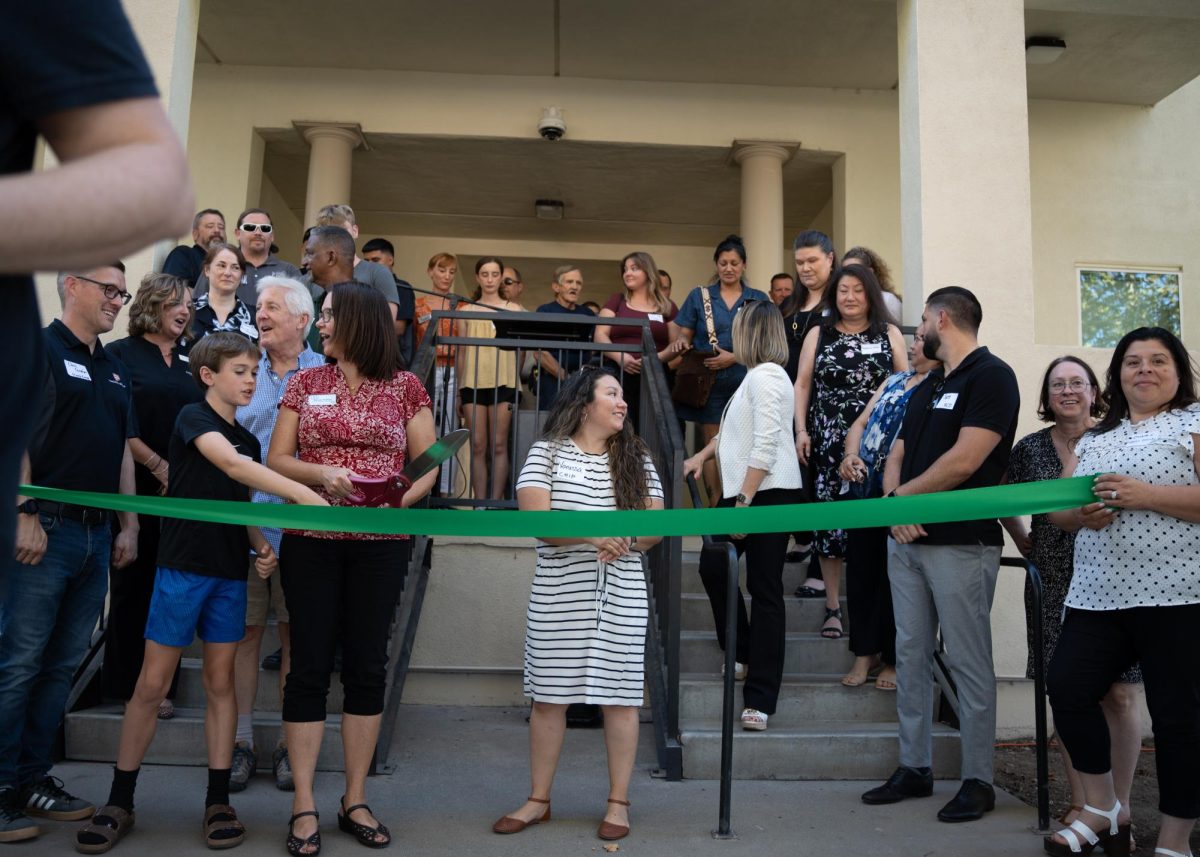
548, 209
1043, 50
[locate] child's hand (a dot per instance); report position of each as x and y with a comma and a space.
266, 562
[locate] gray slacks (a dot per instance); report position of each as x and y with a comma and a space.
951, 586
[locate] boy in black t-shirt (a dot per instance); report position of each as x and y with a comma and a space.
200, 586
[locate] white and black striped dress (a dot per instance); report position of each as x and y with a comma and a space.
586, 624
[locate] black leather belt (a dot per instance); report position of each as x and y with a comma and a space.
84, 514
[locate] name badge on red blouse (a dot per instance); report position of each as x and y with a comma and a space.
318, 400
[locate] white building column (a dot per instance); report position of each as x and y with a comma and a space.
762, 207
329, 164
964, 160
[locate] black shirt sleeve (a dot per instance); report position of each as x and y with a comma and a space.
195, 421
405, 304
58, 55
995, 400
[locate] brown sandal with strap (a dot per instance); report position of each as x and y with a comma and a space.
109, 824
221, 827
611, 832
508, 824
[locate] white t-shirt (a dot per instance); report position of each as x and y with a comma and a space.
1141, 559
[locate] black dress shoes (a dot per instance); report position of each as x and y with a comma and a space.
905, 782
974, 798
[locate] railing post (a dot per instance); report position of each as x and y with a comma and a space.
724, 831
1039, 701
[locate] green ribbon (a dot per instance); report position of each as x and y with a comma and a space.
970, 504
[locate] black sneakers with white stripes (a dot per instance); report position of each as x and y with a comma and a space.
48, 799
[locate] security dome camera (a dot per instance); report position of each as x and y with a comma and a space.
552, 127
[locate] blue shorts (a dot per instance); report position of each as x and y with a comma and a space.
186, 605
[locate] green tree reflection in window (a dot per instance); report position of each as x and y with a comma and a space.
1114, 302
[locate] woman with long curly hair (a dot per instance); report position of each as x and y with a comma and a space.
587, 609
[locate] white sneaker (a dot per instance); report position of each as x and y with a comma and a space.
754, 720
739, 671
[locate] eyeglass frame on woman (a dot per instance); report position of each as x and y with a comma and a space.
111, 291
325, 315
264, 228
1075, 385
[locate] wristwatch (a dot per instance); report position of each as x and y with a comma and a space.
29, 507
891, 493
743, 499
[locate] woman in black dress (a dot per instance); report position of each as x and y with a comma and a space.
155, 353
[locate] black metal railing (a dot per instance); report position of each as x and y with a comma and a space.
729, 674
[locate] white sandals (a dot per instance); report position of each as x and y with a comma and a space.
1082, 840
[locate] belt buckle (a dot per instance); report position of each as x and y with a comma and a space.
92, 517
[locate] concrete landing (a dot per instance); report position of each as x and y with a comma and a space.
458, 769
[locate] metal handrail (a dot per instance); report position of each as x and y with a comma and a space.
724, 829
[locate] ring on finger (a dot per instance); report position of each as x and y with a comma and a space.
1114, 493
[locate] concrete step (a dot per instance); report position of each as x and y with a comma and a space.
806, 652
803, 614
802, 699
191, 688
93, 735
818, 750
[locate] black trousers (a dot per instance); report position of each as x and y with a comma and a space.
761, 643
339, 590
869, 593
1096, 646
129, 592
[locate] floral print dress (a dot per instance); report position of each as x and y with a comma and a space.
847, 370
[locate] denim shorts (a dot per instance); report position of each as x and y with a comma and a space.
186, 605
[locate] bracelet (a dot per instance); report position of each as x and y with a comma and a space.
801, 431
146, 464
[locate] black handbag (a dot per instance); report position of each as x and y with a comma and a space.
693, 380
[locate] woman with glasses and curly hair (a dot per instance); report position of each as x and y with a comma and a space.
587, 609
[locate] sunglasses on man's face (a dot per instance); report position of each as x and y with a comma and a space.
509, 281
264, 228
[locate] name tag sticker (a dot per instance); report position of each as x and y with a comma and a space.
318, 400
571, 472
655, 316
872, 348
424, 319
77, 370
184, 358
946, 402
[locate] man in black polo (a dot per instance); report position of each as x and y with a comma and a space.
555, 366
382, 252
187, 263
957, 433
55, 584
255, 235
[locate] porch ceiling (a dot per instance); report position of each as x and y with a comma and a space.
1113, 54
487, 188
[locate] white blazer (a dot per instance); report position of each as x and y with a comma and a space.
756, 431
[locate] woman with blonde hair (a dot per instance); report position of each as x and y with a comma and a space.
758, 465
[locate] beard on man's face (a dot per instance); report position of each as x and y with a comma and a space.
931, 345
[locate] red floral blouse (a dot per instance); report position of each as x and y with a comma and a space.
364, 432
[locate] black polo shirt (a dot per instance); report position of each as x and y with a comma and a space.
202, 547
159, 392
980, 393
186, 263
86, 414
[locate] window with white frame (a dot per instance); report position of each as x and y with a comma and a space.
1114, 301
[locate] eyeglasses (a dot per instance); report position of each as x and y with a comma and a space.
264, 228
325, 315
509, 281
1075, 385
937, 394
111, 292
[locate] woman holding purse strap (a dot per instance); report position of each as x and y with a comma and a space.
702, 321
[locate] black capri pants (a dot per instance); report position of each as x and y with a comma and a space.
339, 589
1095, 648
